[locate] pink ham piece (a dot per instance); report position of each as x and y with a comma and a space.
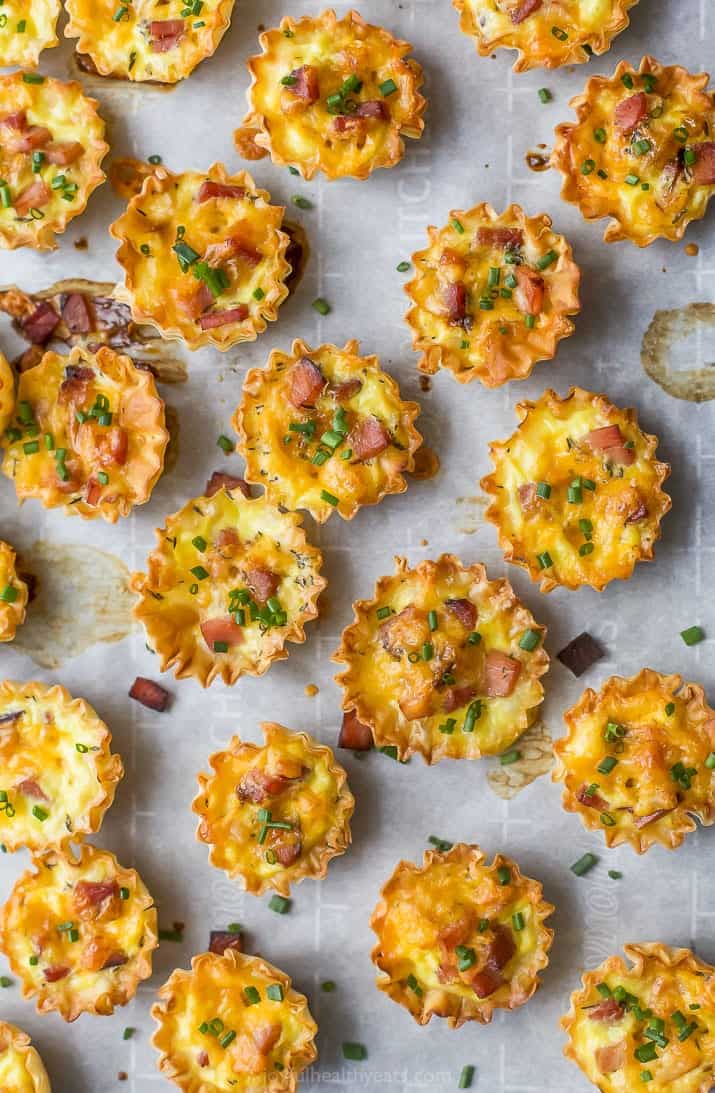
266, 1037
263, 583
34, 196
704, 166
115, 960
368, 438
149, 694
349, 125
62, 153
456, 697
75, 314
222, 630
500, 952
38, 327
227, 539
306, 383
94, 492
17, 120
341, 392
259, 786
165, 34
217, 253
374, 108
611, 1057
591, 800
306, 85
55, 973
200, 300
203, 1058
29, 788
223, 318
639, 513
220, 940
529, 291
288, 849
500, 237
501, 673
92, 893
528, 497
523, 10
630, 111
609, 440
354, 734
455, 301
118, 442
485, 982
210, 189
28, 140
464, 610
643, 821
608, 1010
221, 481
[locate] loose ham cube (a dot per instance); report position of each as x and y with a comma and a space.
93, 493
62, 153
75, 313
630, 111
38, 327
455, 301
305, 85
354, 734
524, 9
118, 441
464, 610
221, 481
34, 196
263, 583
220, 940
210, 189
643, 821
374, 108
266, 1036
223, 630
704, 166
165, 34
306, 383
639, 513
234, 247
368, 438
90, 894
200, 300
501, 674
149, 693
287, 846
223, 318
529, 292
502, 948
500, 237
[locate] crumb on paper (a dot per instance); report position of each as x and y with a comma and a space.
537, 759
81, 243
424, 542
311, 690
425, 383
692, 250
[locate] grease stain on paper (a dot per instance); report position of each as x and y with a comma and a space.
537, 758
672, 331
471, 513
427, 463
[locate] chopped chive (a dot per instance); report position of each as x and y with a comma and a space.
427, 650
473, 714
646, 1076
102, 478
329, 497
39, 813
529, 640
588, 166
31, 447
328, 985
545, 560
34, 961
252, 996
474, 638
466, 957
225, 444
199, 572
530, 321
279, 904
124, 893
274, 992
543, 489
559, 34
586, 528
465, 1078
547, 259
228, 1038
354, 1052
5, 981
504, 875
220, 647
32, 77
681, 134
693, 635
584, 864
458, 227
447, 727
8, 594
432, 620
402, 267
412, 983
606, 765
443, 845
631, 180
384, 612
199, 542
642, 147
614, 874
689, 156
301, 202
387, 87
646, 1053
600, 136
517, 921
154, 160
710, 761
607, 820
627, 80
585, 549
493, 276
544, 94
510, 757
321, 306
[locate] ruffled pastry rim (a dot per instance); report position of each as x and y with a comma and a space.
222, 337
490, 486
181, 654
17, 1039
135, 970
435, 356
599, 41
120, 369
698, 713
464, 1009
284, 1082
413, 737
12, 615
615, 230
43, 238
259, 378
260, 128
642, 955
314, 864
108, 777
210, 35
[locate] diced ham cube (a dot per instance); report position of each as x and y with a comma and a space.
591, 800
341, 392
34, 196
62, 153
643, 821
306, 383
221, 481
29, 788
218, 253
305, 86
287, 846
38, 327
500, 237
608, 1010
501, 674
529, 292
455, 301
209, 189
28, 140
149, 694
55, 973
528, 497
118, 442
502, 947
524, 9
374, 108
485, 982
354, 734
165, 34
263, 583
704, 166
223, 318
258, 785
630, 111
456, 697
223, 630
220, 940
349, 125
368, 438
75, 313
464, 610
639, 513
610, 441
91, 894
266, 1037
16, 120
611, 1057
93, 493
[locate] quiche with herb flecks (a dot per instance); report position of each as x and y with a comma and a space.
204, 256
274, 814
641, 151
79, 932
233, 1022
576, 490
325, 430
14, 594
442, 662
648, 1024
26, 28
331, 95
21, 1068
51, 147
459, 938
638, 760
231, 580
492, 295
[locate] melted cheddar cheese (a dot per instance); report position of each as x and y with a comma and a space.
641, 151
231, 580
634, 761
146, 40
459, 938
233, 1023
21, 1068
646, 1026
546, 33
51, 147
274, 814
57, 773
492, 295
13, 594
577, 491
325, 430
7, 393
332, 95
204, 256
443, 662
79, 932
26, 28
89, 434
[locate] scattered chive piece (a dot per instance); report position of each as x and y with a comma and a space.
301, 202
631, 180
329, 497
689, 156
614, 874
32, 77
39, 813
584, 864
279, 904
547, 259
154, 160
517, 921
199, 542
529, 640
606, 765
473, 713
328, 986
432, 620
544, 94
681, 134
627, 80
5, 981
8, 594
383, 612
220, 647
510, 757
544, 559
474, 638
543, 489
466, 957
235, 928
402, 267
228, 1038
274, 992
586, 528
414, 985
710, 761
530, 321
599, 135
646, 1053
670, 709
458, 227
427, 650
321, 306
693, 635
443, 845
124, 893
252, 996
504, 875
225, 444
560, 34
128, 1033
34, 961
646, 1076
465, 1078
586, 548
199, 572
354, 1052
388, 87
607, 820
588, 166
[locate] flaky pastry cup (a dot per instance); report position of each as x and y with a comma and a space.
577, 491
331, 95
325, 430
492, 295
640, 152
219, 1028
79, 932
291, 782
20, 1064
634, 761
38, 19
14, 594
652, 1022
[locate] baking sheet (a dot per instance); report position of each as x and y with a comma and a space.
482, 119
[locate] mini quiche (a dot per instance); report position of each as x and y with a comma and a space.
147, 41
13, 594
204, 256
458, 938
332, 95
577, 491
638, 760
231, 580
26, 28
641, 151
51, 149
274, 814
492, 294
442, 662
649, 1026
21, 1068
89, 434
233, 1022
79, 932
325, 430
58, 776
546, 33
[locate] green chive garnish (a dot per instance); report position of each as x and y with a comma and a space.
614, 874
465, 1078
329, 497
279, 904
547, 259
544, 559
584, 864
301, 202
510, 757
545, 94
458, 227
517, 921
693, 635
543, 489
388, 87
39, 813
599, 135
402, 267
354, 1052
252, 996
504, 875
606, 765
274, 992
321, 306
529, 640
